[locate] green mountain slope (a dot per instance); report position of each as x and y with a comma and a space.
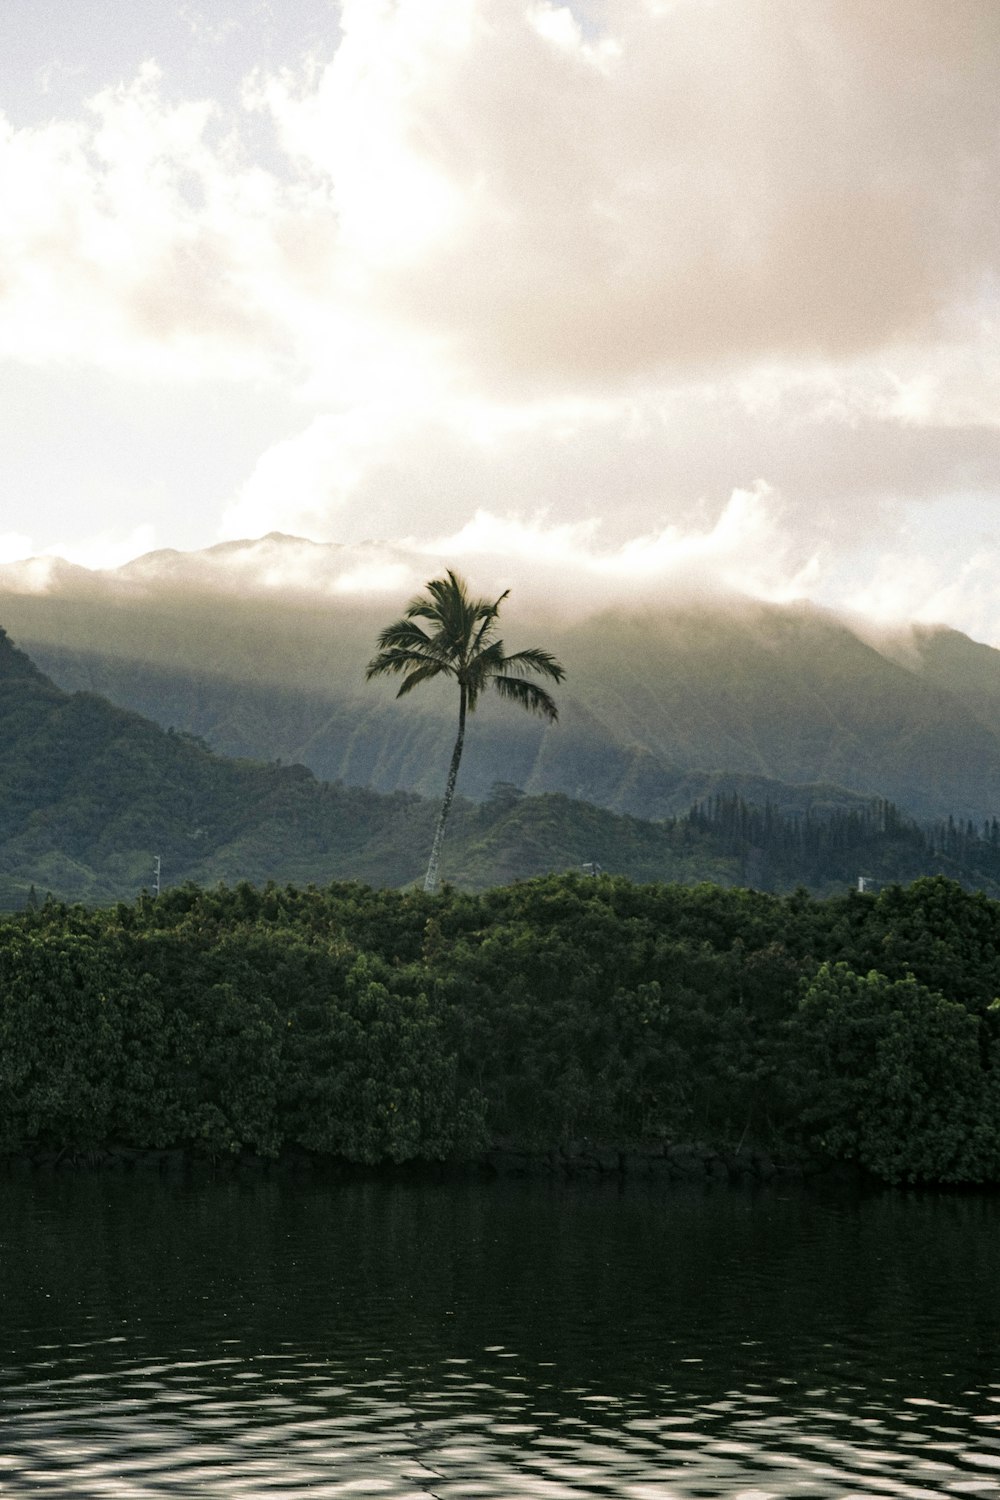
90, 793
789, 694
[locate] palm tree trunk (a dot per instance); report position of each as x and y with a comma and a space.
431, 878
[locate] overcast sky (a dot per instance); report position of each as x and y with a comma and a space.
648, 289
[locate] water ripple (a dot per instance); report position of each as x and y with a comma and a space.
496, 1342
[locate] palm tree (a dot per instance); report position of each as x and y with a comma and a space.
459, 640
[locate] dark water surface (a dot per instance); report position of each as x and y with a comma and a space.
281, 1338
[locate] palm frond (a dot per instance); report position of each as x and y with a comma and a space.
422, 608
488, 616
423, 674
528, 695
461, 622
404, 645
485, 662
480, 668
404, 633
447, 605
534, 660
398, 660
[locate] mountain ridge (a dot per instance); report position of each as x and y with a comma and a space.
654, 695
91, 793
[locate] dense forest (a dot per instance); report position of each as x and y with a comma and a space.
826, 847
390, 1026
238, 1012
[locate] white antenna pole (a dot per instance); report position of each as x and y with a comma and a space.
156, 874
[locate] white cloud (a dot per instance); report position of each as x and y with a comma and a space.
101, 551
917, 586
129, 242
106, 549
700, 186
14, 546
560, 293
391, 469
737, 183
369, 578
746, 549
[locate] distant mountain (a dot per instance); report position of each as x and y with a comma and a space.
659, 704
90, 794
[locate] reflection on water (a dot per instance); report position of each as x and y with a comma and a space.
494, 1340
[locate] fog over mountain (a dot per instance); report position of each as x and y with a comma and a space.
260, 647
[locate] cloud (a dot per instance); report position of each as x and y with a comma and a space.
744, 550
107, 549
393, 469
14, 546
128, 241
566, 568
559, 282
746, 547
916, 586
709, 185
697, 187
849, 461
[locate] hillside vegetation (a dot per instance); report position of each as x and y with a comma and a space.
90, 793
654, 698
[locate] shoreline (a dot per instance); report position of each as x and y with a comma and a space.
667, 1164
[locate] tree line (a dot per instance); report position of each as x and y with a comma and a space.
825, 846
389, 1026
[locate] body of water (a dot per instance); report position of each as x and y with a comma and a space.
276, 1337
